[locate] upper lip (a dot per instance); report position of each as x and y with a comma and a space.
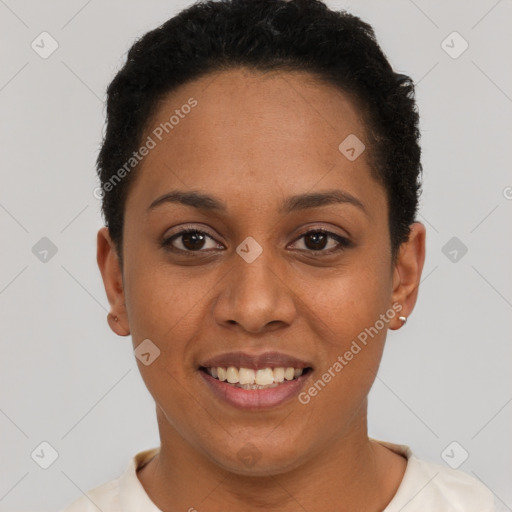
255, 361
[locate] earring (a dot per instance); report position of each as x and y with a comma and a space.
114, 317
403, 319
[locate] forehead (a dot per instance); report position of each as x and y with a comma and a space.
254, 135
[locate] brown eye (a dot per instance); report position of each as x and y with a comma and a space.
316, 241
193, 241
189, 240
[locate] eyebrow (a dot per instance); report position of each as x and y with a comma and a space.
207, 202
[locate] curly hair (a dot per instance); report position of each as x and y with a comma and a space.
264, 35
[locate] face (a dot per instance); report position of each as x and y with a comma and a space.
287, 265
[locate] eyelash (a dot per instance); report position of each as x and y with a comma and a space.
343, 243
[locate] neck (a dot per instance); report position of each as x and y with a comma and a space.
350, 473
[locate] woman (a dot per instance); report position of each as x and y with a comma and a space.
260, 176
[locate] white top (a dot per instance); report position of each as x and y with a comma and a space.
425, 487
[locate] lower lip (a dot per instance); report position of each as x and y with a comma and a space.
255, 399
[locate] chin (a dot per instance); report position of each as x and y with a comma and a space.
261, 460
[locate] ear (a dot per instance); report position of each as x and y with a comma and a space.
111, 273
407, 273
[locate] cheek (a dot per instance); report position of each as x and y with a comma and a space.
161, 301
165, 310
350, 300
352, 315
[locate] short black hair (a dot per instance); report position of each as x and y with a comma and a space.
264, 35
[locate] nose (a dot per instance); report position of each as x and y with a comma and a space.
256, 296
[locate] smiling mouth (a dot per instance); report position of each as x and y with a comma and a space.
248, 378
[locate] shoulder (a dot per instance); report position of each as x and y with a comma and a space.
428, 486
454, 489
119, 495
105, 497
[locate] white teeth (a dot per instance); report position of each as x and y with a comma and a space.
256, 386
278, 374
248, 378
232, 375
289, 373
264, 377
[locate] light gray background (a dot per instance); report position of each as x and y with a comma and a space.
68, 380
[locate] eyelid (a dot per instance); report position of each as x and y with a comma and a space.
323, 229
190, 227
200, 228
